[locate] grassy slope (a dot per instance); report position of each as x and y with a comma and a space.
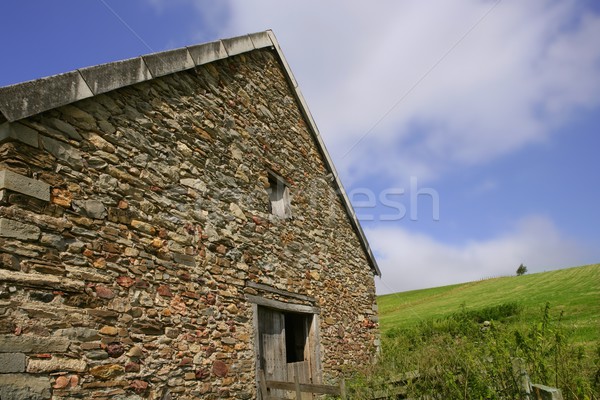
576, 291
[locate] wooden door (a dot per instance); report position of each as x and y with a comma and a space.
271, 330
287, 348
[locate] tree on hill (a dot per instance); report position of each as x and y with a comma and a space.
522, 270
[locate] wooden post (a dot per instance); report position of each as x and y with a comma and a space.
297, 382
343, 389
522, 378
262, 383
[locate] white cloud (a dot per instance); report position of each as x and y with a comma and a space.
412, 261
518, 73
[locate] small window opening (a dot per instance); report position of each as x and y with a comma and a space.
279, 196
296, 336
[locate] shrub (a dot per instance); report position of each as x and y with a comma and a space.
457, 359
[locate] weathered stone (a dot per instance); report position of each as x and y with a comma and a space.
32, 344
164, 291
80, 334
237, 211
97, 355
132, 367
24, 387
20, 132
194, 184
135, 352
41, 281
24, 185
64, 152
14, 229
149, 329
104, 293
220, 369
12, 362
91, 208
64, 127
107, 371
143, 227
139, 386
79, 117
100, 143
172, 333
55, 364
9, 261
543, 392
61, 382
44, 297
115, 349
109, 330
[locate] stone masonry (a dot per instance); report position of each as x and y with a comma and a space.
135, 223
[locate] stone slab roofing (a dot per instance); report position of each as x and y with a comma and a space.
25, 99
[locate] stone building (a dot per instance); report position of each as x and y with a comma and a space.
170, 224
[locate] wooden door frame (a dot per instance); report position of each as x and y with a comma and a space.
314, 341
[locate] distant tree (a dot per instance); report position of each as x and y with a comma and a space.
522, 270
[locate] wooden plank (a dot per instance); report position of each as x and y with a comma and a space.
271, 289
272, 345
297, 381
262, 382
304, 387
280, 305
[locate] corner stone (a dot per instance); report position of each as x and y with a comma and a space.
18, 230
24, 387
32, 344
12, 362
21, 184
55, 364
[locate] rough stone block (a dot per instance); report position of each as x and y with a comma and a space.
106, 77
208, 52
24, 185
91, 208
238, 45
33, 97
546, 393
18, 230
12, 362
168, 62
80, 334
20, 132
62, 151
55, 364
24, 387
32, 344
41, 281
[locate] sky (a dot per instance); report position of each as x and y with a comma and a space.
465, 132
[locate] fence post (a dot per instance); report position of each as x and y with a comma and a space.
522, 378
343, 389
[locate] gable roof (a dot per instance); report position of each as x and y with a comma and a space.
33, 97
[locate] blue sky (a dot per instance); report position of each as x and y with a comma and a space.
484, 113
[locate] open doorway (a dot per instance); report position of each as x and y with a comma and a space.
287, 342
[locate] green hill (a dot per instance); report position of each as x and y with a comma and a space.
574, 291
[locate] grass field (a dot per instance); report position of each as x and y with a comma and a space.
574, 291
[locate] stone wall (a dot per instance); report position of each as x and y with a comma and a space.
132, 222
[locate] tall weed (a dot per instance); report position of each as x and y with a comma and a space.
461, 357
